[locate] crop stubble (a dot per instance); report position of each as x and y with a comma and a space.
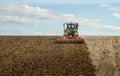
105, 54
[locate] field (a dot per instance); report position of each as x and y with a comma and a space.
41, 56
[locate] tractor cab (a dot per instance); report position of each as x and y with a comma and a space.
70, 29
70, 26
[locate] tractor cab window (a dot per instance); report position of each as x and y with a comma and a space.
70, 26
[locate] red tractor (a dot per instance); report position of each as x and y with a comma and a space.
70, 34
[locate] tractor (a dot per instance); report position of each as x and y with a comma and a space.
70, 34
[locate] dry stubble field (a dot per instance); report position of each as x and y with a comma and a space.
41, 56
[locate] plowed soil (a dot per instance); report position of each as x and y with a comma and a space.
41, 56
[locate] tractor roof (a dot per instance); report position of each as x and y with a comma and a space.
72, 23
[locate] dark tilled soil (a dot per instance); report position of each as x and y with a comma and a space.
41, 56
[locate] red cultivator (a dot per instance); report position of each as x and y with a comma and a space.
70, 34
72, 40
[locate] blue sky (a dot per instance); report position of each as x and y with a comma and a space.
30, 17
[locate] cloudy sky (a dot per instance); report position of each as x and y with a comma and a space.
45, 17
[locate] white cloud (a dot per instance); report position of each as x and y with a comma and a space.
116, 15
23, 14
111, 8
115, 10
18, 20
26, 10
114, 28
38, 13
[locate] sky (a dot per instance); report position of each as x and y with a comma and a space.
46, 17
